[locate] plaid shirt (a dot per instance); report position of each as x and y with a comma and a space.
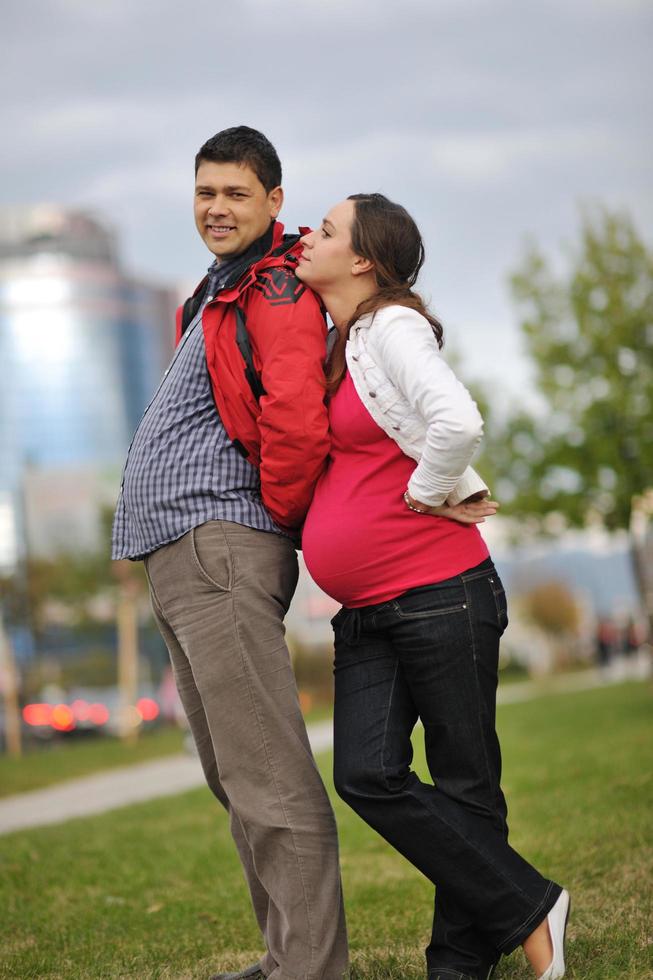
182, 469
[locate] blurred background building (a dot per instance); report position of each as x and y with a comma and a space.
82, 346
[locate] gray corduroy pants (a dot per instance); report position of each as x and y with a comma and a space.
219, 596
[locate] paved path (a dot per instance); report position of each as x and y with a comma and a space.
167, 776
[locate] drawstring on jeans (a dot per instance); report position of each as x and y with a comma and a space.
350, 626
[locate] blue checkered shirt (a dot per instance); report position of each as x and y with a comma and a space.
182, 469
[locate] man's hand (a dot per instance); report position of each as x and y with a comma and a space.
468, 512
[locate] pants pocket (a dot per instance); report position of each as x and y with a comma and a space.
211, 555
500, 600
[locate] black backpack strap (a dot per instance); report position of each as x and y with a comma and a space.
245, 348
192, 305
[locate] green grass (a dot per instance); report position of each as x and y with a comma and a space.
155, 891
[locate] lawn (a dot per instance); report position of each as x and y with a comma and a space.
155, 891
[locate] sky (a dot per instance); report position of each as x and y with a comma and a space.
495, 122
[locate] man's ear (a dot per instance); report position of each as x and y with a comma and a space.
360, 266
275, 200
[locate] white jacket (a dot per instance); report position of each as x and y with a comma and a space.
414, 396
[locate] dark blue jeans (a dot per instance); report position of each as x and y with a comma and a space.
432, 653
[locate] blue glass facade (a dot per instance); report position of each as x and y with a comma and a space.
82, 347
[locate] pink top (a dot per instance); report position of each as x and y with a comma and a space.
361, 543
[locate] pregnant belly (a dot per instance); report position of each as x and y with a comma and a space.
363, 554
339, 553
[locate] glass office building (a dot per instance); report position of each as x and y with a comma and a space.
82, 347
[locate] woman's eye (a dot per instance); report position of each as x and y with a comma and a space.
325, 233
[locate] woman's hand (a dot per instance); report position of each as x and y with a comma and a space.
468, 512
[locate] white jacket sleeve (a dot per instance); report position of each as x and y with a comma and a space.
409, 355
469, 483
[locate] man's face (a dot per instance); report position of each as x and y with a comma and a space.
232, 207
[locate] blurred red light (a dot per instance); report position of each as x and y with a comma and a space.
81, 710
147, 708
37, 714
98, 714
63, 719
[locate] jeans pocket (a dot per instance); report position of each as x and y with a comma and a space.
338, 618
211, 556
424, 603
430, 613
500, 600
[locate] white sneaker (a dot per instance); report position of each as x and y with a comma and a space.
557, 921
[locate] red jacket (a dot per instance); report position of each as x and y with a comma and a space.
285, 434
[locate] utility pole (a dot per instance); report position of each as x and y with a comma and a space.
641, 536
9, 686
127, 624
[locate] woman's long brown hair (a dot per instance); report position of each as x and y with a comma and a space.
384, 233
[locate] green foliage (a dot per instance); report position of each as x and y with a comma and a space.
314, 671
589, 332
70, 580
94, 667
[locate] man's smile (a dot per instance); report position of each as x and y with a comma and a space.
219, 231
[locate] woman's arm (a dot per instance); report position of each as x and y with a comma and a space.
409, 356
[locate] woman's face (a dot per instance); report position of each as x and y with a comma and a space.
327, 259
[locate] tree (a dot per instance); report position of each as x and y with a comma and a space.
552, 607
589, 455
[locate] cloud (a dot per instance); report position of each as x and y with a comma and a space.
491, 155
487, 119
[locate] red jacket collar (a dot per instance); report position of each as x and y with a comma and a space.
269, 260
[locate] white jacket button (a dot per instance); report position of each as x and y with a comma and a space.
372, 394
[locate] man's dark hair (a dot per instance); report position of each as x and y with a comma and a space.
240, 144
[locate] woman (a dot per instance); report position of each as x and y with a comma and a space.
394, 541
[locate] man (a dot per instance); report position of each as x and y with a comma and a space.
218, 479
